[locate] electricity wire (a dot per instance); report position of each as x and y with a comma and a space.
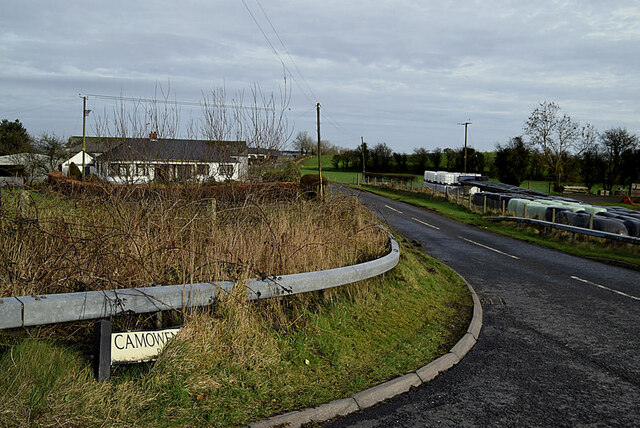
175, 102
328, 118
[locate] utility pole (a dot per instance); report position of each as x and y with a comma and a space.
363, 160
319, 153
466, 124
84, 127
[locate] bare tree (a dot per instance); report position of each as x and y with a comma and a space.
53, 148
558, 136
303, 143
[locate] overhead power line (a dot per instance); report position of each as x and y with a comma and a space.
175, 102
286, 50
275, 51
328, 118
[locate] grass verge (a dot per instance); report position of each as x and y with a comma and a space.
585, 246
243, 362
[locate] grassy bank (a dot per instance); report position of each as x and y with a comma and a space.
588, 247
240, 362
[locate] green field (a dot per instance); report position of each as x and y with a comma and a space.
310, 166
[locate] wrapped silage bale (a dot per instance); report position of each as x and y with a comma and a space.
516, 205
535, 210
512, 206
610, 225
576, 207
448, 178
582, 219
494, 201
607, 214
595, 210
478, 198
632, 224
548, 214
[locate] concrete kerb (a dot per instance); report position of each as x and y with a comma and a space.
387, 390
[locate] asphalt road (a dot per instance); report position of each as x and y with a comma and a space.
560, 341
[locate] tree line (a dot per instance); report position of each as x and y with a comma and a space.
381, 158
553, 147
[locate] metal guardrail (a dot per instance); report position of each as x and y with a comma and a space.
573, 229
27, 311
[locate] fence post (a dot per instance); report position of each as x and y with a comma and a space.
503, 207
591, 221
525, 211
214, 207
102, 350
484, 205
470, 209
358, 179
553, 215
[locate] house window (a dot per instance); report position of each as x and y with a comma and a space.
226, 170
183, 172
120, 169
141, 169
202, 170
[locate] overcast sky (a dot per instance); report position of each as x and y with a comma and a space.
401, 72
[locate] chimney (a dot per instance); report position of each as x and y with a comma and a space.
153, 136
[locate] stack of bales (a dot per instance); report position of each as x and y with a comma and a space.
567, 212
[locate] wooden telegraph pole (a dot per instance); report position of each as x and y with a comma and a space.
466, 124
319, 154
363, 161
84, 127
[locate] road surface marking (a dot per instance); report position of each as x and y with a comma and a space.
605, 288
425, 223
489, 248
393, 209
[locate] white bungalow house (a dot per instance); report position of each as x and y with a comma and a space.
142, 160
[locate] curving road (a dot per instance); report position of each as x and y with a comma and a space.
560, 341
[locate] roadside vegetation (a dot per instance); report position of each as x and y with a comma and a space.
233, 362
54, 243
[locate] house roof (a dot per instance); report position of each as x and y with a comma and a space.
94, 144
21, 158
163, 149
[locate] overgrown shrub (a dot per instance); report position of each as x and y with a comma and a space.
289, 173
74, 172
309, 184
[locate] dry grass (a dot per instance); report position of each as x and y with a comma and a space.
53, 244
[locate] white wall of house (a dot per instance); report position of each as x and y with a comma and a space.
136, 172
77, 159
